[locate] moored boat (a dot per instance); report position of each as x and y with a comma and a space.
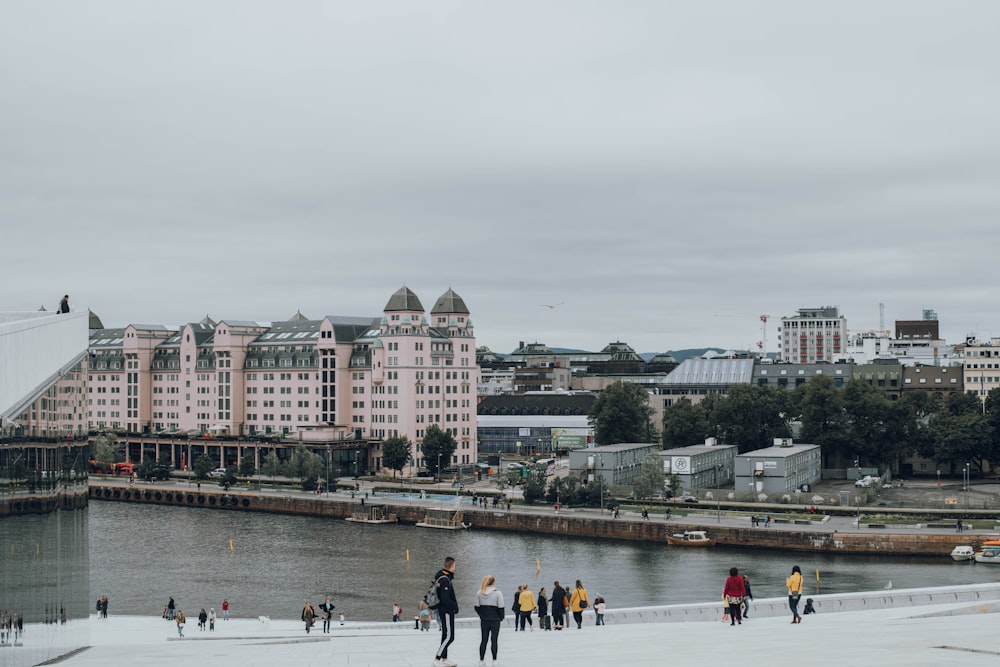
989, 554
691, 538
963, 552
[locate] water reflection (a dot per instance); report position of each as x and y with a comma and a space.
143, 554
45, 584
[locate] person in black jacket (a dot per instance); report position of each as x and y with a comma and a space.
447, 608
327, 608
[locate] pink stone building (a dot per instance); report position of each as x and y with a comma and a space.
393, 375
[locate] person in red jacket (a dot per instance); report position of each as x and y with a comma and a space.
734, 592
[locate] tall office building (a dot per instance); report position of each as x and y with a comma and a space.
815, 334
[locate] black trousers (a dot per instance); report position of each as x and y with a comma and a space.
490, 632
447, 619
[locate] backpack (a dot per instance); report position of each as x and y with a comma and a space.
433, 601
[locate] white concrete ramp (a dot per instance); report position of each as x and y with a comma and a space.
35, 348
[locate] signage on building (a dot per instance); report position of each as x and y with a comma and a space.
681, 464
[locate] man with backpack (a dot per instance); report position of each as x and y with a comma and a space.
447, 607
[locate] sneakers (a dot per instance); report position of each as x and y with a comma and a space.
443, 662
482, 663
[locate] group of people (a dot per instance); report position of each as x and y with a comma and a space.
491, 609
562, 602
102, 606
206, 619
309, 614
737, 593
11, 627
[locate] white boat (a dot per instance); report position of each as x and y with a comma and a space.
963, 552
989, 554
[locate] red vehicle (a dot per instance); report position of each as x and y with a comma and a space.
124, 468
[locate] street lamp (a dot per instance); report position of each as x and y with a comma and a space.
439, 468
357, 469
327, 469
965, 478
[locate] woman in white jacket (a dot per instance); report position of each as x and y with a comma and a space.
489, 606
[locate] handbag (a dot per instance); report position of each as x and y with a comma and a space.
795, 596
583, 603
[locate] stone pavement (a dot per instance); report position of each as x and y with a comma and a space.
940, 626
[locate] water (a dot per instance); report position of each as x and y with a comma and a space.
141, 554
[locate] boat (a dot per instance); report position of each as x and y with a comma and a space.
988, 555
691, 538
374, 514
963, 553
444, 519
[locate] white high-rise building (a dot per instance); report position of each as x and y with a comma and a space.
815, 334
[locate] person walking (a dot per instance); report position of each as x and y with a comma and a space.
447, 608
489, 607
225, 609
527, 604
544, 620
516, 608
794, 585
327, 608
64, 304
202, 618
578, 601
559, 603
211, 619
180, 620
734, 592
747, 597
171, 609
397, 612
308, 616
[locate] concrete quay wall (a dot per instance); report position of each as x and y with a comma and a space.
43, 502
798, 538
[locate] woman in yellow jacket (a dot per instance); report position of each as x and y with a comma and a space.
794, 584
527, 602
578, 601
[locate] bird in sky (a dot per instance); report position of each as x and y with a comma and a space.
553, 305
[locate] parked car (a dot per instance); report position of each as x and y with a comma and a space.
684, 498
218, 472
866, 481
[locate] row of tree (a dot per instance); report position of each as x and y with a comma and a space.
857, 423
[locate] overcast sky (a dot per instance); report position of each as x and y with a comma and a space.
666, 171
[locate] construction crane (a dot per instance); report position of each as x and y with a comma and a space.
762, 343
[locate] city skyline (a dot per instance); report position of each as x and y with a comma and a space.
659, 174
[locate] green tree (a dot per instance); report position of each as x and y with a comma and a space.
960, 439
621, 413
106, 451
533, 488
824, 422
202, 466
867, 412
305, 466
751, 417
396, 453
271, 465
684, 424
247, 468
650, 480
146, 469
437, 445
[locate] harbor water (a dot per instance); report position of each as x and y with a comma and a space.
267, 564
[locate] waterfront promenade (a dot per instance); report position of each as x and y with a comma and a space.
941, 626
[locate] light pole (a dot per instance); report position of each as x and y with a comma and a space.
327, 469
439, 468
357, 469
965, 478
